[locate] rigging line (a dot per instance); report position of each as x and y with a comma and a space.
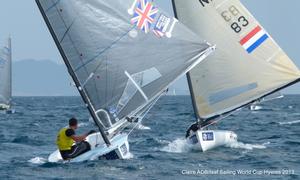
104, 50
67, 31
106, 80
52, 6
146, 112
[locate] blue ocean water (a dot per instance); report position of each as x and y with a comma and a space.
269, 142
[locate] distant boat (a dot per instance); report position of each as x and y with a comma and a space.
174, 92
247, 66
6, 77
256, 107
120, 62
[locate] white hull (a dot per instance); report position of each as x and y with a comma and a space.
6, 109
210, 139
119, 149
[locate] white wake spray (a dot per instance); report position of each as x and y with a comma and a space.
241, 145
37, 160
289, 122
179, 145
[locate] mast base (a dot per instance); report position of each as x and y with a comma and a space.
119, 149
210, 139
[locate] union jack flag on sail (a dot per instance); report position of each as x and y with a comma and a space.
144, 15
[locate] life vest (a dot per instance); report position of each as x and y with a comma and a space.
64, 142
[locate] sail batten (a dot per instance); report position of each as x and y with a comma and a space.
100, 41
247, 65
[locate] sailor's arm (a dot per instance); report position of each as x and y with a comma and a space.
79, 138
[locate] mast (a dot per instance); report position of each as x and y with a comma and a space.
188, 76
74, 77
10, 70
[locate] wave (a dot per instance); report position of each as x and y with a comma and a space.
241, 145
83, 124
289, 122
179, 145
38, 160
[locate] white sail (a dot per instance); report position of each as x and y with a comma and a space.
122, 54
247, 65
5, 75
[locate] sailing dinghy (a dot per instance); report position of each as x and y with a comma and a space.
5, 78
122, 55
248, 64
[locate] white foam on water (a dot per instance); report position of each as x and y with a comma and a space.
129, 156
37, 160
83, 124
289, 122
241, 145
179, 145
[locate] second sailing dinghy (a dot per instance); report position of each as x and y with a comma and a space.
248, 64
5, 78
122, 55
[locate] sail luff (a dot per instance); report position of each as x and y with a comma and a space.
74, 77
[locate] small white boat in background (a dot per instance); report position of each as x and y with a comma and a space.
256, 107
6, 78
248, 64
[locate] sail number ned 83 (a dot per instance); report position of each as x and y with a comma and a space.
232, 14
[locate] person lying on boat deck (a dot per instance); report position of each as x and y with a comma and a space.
192, 129
71, 145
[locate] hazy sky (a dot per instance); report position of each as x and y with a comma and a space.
31, 40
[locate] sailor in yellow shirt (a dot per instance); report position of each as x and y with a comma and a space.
69, 144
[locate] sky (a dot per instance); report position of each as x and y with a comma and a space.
31, 40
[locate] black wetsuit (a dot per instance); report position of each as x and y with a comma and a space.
77, 149
193, 127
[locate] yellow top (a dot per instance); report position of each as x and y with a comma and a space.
63, 141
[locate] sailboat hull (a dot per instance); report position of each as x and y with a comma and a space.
6, 109
210, 139
119, 149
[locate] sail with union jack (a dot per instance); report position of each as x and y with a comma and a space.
144, 15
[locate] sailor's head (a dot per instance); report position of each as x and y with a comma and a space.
73, 123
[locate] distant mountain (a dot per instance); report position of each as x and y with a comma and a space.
41, 78
47, 78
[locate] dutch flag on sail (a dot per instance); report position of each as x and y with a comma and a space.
254, 39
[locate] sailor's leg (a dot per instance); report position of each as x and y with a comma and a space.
79, 149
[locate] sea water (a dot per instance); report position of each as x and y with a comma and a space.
268, 144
